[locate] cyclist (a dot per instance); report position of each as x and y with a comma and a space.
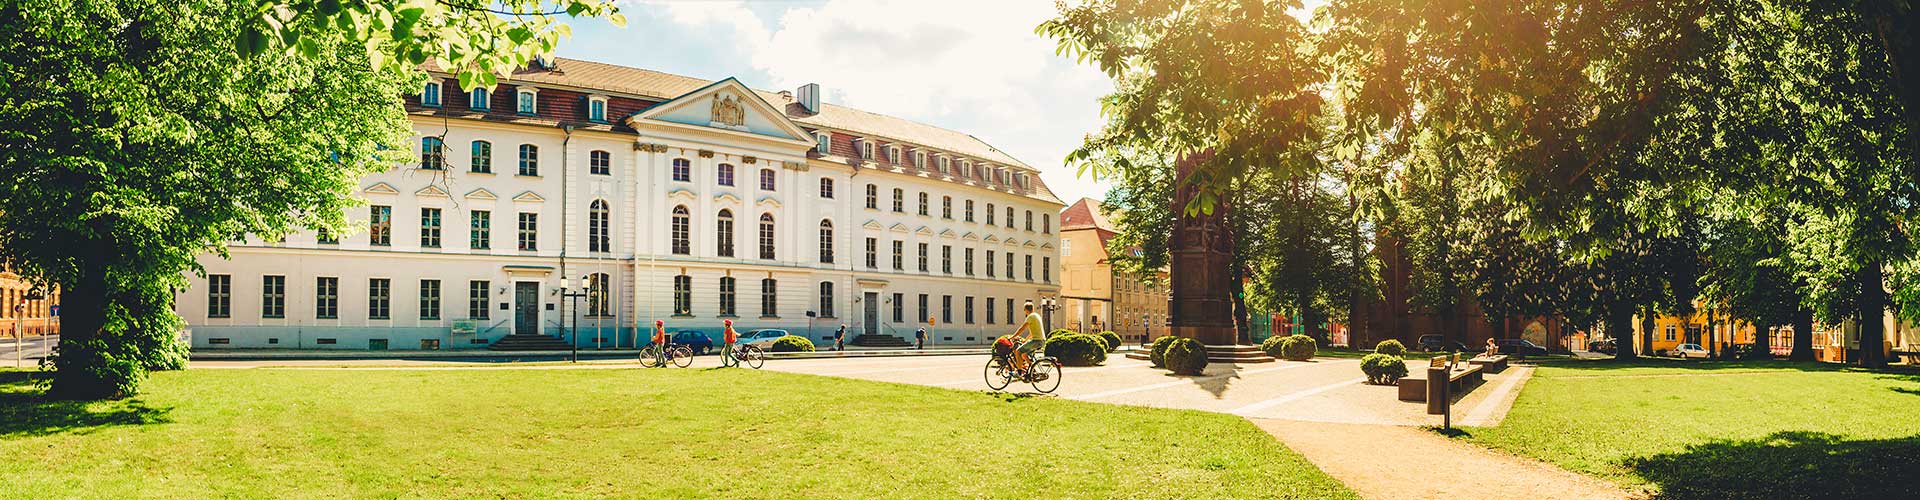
1036, 338
727, 338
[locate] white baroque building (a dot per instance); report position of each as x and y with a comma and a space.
668, 198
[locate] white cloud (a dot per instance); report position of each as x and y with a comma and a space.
976, 67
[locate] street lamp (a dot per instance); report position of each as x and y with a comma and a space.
568, 290
1048, 305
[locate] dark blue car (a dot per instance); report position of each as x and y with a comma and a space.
700, 343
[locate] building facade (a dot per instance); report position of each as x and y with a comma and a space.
26, 310
662, 197
1093, 296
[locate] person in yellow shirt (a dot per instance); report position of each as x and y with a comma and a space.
1036, 336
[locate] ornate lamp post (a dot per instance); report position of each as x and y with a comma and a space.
1047, 306
568, 290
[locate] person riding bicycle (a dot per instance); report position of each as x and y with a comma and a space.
1036, 336
727, 338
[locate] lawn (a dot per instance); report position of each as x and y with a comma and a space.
673, 433
1700, 430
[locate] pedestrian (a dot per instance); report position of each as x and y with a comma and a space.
920, 338
727, 337
840, 338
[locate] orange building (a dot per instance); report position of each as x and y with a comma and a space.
25, 311
1711, 329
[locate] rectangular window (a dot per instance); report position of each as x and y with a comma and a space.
219, 296
273, 297
482, 158
989, 263
946, 309
969, 211
923, 309
989, 310
682, 295
326, 303
477, 299
430, 96
946, 259
325, 237
968, 307
822, 144
873, 196
529, 160
1010, 265
480, 230
529, 231
433, 154
726, 296
682, 170
826, 299
1046, 269
479, 100
768, 298
969, 259
899, 308
1029, 259
430, 228
597, 110
430, 299
599, 163
379, 298
899, 247
526, 103
923, 203
1046, 223
380, 226
873, 253
923, 257
1009, 310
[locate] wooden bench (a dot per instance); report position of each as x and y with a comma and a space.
1460, 379
1492, 364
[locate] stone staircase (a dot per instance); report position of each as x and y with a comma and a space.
865, 340
1239, 354
529, 343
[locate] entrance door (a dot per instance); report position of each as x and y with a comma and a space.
526, 308
873, 312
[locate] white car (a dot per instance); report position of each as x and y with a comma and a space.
761, 338
1684, 351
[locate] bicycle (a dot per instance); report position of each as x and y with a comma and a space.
745, 354
655, 356
1043, 372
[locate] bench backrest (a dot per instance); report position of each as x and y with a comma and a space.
1437, 362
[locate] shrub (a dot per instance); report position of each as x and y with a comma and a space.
1271, 345
1077, 349
791, 343
1186, 356
1383, 368
1391, 347
1060, 331
1159, 353
1297, 348
1113, 340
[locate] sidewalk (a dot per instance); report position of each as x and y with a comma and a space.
1392, 462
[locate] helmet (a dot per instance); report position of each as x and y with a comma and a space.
729, 322
659, 323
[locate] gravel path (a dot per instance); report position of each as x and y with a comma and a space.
1397, 462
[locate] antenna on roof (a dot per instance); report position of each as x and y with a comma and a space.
809, 96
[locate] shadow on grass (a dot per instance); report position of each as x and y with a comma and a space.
1787, 465
24, 413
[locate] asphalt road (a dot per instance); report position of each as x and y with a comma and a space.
28, 350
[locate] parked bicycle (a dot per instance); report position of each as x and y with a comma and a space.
1002, 369
656, 355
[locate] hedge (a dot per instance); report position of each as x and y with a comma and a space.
1391, 347
1271, 345
1298, 348
791, 343
1159, 353
1186, 356
1077, 349
1383, 368
1113, 340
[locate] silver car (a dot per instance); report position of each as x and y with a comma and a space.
761, 338
1684, 351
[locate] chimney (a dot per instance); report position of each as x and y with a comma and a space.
786, 95
809, 96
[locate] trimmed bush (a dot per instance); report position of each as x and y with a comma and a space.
1298, 348
791, 343
1060, 331
1391, 347
1077, 349
1271, 345
1159, 353
1113, 340
1383, 368
1186, 356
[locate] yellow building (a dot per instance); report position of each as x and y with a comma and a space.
1712, 330
1093, 296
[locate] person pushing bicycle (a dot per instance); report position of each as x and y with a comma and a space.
1036, 336
660, 341
727, 337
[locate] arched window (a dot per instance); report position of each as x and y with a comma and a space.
826, 241
433, 153
599, 163
598, 227
599, 302
946, 207
681, 227
873, 196
723, 233
766, 179
682, 170
826, 188
725, 174
766, 236
482, 157
826, 299
899, 200
529, 160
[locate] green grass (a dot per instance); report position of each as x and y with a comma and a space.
622, 433
1698, 430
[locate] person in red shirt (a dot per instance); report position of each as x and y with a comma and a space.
727, 338
659, 342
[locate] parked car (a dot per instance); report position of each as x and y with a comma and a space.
700, 343
1434, 342
1684, 351
1604, 346
762, 338
1519, 347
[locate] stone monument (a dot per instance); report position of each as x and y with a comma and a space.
1202, 251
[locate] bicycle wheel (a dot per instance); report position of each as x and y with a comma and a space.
998, 376
682, 356
753, 356
1046, 375
648, 359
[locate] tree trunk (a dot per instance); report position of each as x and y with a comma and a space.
1646, 331
1713, 333
1802, 335
1762, 341
79, 359
1873, 309
1238, 291
1619, 325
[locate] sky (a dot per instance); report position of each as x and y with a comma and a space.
974, 66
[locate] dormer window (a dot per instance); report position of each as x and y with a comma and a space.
962, 171
430, 96
920, 159
1021, 179
478, 99
597, 109
525, 102
893, 154
866, 149
822, 143
944, 162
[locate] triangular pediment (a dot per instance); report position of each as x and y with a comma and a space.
726, 105
947, 234
1030, 244
481, 194
970, 237
923, 231
991, 239
873, 225
1046, 245
381, 188
431, 190
898, 228
529, 197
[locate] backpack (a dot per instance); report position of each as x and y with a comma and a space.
1003, 347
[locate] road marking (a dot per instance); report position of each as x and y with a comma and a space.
1292, 397
1177, 383
1481, 413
